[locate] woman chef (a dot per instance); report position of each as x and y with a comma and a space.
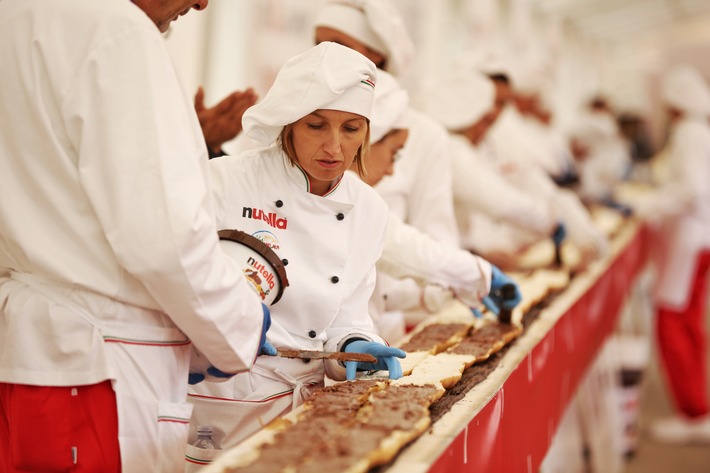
326, 225
682, 205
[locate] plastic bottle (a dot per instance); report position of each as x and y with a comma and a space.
204, 437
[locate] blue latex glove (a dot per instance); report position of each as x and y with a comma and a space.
625, 210
194, 378
386, 358
497, 298
559, 234
476, 312
266, 348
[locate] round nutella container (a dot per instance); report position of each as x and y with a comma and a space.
261, 266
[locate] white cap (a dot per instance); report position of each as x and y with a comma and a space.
591, 127
388, 110
531, 74
375, 23
490, 63
460, 99
684, 88
327, 76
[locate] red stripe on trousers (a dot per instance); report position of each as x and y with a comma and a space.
682, 343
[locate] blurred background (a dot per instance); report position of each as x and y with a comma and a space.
579, 48
615, 47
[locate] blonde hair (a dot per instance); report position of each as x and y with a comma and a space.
285, 141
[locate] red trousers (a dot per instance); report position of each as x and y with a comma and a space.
682, 342
59, 429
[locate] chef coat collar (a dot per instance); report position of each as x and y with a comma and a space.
298, 176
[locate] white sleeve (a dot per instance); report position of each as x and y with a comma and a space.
143, 168
420, 189
478, 186
580, 227
353, 319
411, 253
687, 182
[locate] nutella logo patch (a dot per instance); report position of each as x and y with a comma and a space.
270, 218
260, 269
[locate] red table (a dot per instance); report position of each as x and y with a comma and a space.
513, 432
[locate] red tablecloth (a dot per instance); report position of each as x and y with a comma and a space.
513, 432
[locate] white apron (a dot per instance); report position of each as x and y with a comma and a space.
683, 201
238, 409
153, 416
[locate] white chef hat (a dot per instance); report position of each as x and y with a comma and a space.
490, 62
375, 23
685, 88
327, 76
591, 127
531, 75
388, 110
459, 99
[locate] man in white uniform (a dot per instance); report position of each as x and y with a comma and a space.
680, 208
512, 149
496, 219
109, 258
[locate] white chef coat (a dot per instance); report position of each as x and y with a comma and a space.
682, 202
505, 146
106, 222
412, 260
480, 187
608, 158
419, 190
410, 253
331, 244
603, 169
551, 148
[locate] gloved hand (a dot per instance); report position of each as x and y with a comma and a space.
476, 312
559, 234
386, 358
624, 209
505, 293
200, 367
194, 378
266, 348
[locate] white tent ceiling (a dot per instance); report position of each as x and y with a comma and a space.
629, 22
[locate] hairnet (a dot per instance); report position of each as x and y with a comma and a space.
375, 23
388, 109
327, 76
460, 99
684, 88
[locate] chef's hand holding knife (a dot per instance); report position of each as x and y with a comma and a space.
558, 236
265, 348
386, 358
504, 295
